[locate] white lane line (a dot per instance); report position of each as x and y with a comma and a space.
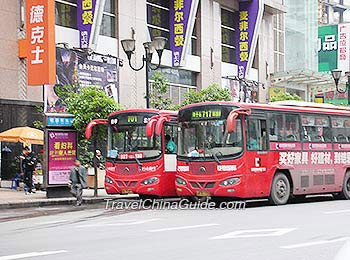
337, 211
271, 232
182, 228
32, 254
122, 223
315, 243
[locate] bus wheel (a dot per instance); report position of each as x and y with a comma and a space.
280, 190
345, 193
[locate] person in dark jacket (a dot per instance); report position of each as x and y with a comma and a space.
77, 181
28, 164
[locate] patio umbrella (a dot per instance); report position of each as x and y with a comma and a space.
26, 135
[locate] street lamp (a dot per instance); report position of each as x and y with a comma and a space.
157, 44
336, 74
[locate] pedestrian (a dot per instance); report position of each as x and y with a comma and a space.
77, 181
98, 160
28, 166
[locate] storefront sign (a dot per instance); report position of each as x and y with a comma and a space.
334, 47
77, 69
248, 25
86, 15
59, 121
62, 151
41, 60
182, 18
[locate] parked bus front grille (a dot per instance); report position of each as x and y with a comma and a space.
197, 185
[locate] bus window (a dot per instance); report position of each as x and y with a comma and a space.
256, 135
284, 128
316, 128
170, 138
341, 129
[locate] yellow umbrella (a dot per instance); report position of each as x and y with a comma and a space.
26, 135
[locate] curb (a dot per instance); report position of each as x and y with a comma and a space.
55, 202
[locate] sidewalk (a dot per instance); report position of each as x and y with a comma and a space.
18, 199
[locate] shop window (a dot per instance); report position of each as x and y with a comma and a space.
228, 36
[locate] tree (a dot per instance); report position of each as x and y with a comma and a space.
285, 96
89, 104
212, 93
159, 89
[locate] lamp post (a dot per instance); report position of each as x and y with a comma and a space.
157, 44
336, 74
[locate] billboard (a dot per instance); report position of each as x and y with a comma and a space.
62, 151
333, 47
85, 15
248, 24
40, 41
76, 69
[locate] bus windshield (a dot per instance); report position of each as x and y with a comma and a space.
209, 139
128, 142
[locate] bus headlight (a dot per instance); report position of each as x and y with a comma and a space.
180, 181
150, 181
229, 182
108, 180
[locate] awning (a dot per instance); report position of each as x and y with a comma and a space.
301, 77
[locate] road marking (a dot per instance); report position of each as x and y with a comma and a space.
182, 228
273, 232
32, 254
337, 211
315, 243
50, 222
123, 223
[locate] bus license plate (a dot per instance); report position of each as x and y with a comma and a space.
203, 194
126, 191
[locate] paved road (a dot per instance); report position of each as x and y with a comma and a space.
314, 230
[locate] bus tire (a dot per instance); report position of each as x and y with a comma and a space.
345, 193
280, 189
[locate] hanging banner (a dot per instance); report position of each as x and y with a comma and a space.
76, 69
40, 42
334, 47
62, 152
182, 19
86, 17
248, 25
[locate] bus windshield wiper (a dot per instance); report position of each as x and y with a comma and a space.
138, 161
216, 158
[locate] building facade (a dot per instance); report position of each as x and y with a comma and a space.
211, 57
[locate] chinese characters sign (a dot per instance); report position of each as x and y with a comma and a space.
333, 47
249, 20
40, 19
86, 13
182, 18
62, 149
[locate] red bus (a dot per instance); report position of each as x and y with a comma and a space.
134, 163
276, 151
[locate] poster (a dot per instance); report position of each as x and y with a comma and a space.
76, 69
62, 151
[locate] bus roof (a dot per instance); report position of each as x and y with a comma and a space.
145, 110
292, 106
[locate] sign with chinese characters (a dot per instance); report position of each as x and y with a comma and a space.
248, 25
77, 69
334, 47
59, 121
40, 39
182, 19
86, 17
62, 151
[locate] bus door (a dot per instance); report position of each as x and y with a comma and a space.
257, 156
170, 150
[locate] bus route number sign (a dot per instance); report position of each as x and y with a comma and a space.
206, 114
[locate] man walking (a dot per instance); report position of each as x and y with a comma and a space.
28, 165
77, 181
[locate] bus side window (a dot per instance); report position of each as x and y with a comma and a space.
170, 138
256, 135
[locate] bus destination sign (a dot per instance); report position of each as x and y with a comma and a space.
206, 114
131, 119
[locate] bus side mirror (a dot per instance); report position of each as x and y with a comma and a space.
90, 126
231, 121
150, 127
159, 125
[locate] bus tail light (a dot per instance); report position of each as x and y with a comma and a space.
229, 182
